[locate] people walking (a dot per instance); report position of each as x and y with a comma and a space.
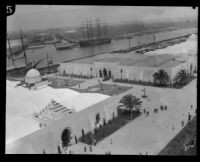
182, 123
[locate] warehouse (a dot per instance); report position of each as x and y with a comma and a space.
130, 66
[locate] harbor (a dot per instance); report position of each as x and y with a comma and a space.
146, 43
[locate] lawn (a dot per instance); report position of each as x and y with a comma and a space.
106, 89
176, 145
109, 128
63, 83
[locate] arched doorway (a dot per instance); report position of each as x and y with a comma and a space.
104, 72
66, 137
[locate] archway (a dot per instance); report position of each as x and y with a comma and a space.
104, 72
66, 137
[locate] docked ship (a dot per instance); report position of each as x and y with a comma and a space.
63, 46
94, 34
18, 70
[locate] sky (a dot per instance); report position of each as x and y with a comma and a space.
28, 17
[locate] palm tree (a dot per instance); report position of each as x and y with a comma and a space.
161, 77
131, 103
181, 77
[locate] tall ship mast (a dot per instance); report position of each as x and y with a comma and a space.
94, 34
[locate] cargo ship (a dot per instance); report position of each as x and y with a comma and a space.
94, 34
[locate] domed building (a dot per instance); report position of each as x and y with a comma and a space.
33, 76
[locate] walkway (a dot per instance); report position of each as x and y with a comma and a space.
151, 134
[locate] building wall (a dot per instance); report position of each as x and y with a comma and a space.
78, 69
128, 72
49, 137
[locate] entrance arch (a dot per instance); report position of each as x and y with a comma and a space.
66, 136
105, 72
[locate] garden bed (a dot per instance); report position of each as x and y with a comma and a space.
109, 128
105, 89
189, 79
176, 145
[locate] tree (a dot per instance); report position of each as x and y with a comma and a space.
181, 77
161, 77
44, 152
131, 103
83, 133
76, 140
59, 150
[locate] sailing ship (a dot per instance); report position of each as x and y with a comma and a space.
93, 35
15, 69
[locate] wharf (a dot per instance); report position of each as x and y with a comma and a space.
169, 41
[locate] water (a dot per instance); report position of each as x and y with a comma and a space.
78, 52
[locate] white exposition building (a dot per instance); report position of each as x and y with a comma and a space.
129, 66
36, 120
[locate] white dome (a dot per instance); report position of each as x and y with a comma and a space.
33, 76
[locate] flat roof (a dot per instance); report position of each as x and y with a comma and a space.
162, 61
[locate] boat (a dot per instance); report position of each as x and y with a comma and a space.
20, 70
63, 46
93, 34
35, 47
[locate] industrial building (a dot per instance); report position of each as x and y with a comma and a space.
129, 66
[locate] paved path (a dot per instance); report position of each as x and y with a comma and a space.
151, 134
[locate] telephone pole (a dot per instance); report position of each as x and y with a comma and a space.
23, 47
10, 51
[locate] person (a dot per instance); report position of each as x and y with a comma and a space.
85, 149
182, 123
191, 106
94, 142
79, 86
173, 127
189, 117
111, 141
144, 111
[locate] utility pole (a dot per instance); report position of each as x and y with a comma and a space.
88, 34
91, 36
10, 52
23, 47
83, 31
48, 62
105, 31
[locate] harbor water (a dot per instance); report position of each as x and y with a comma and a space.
77, 52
